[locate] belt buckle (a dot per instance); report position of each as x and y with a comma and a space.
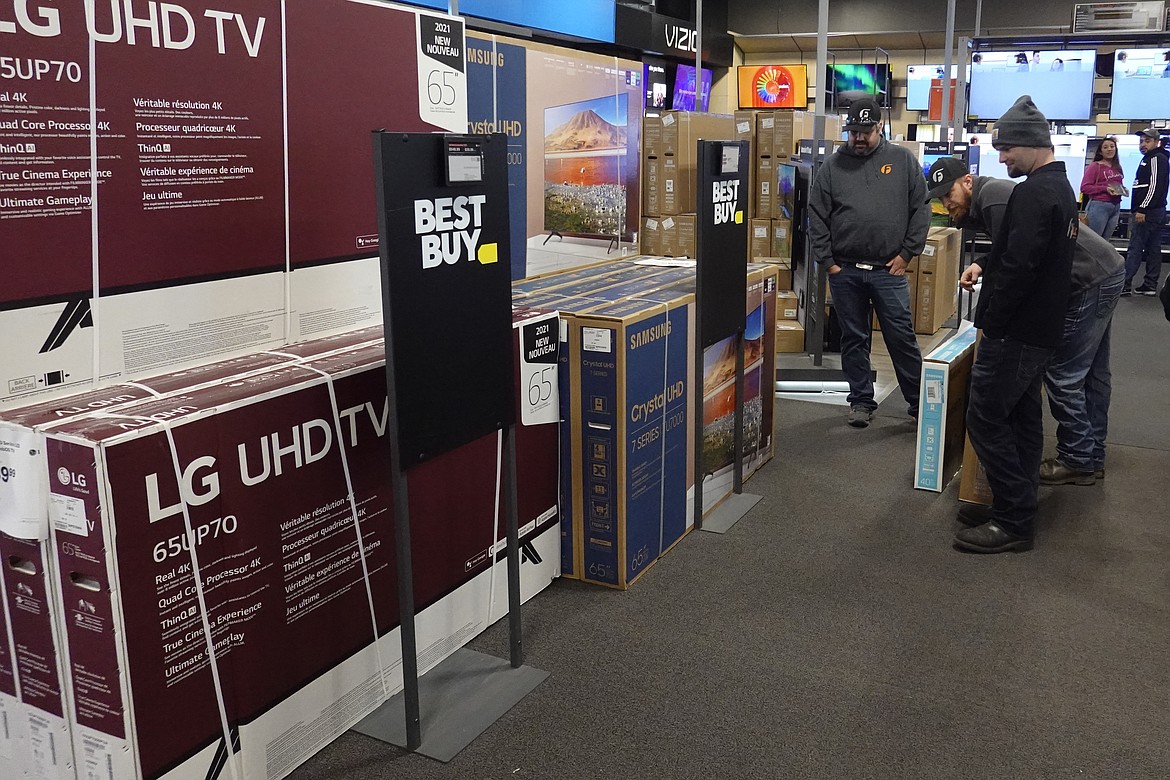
866, 266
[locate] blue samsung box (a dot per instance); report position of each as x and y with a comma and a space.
629, 379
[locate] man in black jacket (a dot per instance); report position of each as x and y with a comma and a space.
868, 218
1078, 381
1149, 213
1027, 281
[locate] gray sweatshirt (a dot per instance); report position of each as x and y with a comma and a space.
1094, 259
868, 208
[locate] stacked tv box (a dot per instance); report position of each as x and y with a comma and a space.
627, 408
267, 461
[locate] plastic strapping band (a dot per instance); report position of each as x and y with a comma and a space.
495, 525
93, 212
356, 524
151, 391
287, 217
233, 756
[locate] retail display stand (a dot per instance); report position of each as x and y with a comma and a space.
446, 297
720, 290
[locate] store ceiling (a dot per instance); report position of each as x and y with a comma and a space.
806, 43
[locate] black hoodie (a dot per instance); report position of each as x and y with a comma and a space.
868, 208
1150, 180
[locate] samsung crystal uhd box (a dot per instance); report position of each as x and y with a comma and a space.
630, 369
942, 410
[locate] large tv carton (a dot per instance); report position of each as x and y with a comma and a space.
759, 240
679, 236
653, 237
765, 190
35, 697
973, 487
789, 336
942, 410
13, 743
937, 295
678, 133
630, 372
270, 558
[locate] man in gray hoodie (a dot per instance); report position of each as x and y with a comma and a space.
1078, 381
868, 218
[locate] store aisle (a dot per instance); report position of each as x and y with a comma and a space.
836, 634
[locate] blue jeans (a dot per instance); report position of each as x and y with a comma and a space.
1078, 379
1102, 217
1006, 424
1145, 246
856, 295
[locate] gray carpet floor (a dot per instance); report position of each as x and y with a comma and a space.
835, 632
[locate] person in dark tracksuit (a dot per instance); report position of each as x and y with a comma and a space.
1148, 209
1078, 381
1027, 284
868, 218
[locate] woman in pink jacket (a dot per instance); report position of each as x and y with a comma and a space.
1102, 185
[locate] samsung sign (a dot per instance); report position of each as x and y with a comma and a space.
592, 19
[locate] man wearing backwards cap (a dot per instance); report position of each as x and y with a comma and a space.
1149, 213
1077, 380
868, 217
1027, 283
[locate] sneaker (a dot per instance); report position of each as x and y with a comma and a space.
1126, 291
860, 416
1053, 472
1145, 289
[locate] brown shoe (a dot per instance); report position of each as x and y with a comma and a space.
1053, 472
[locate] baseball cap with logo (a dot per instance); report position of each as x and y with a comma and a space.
863, 115
943, 174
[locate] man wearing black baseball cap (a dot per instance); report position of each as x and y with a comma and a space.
868, 217
1027, 284
1077, 381
1149, 213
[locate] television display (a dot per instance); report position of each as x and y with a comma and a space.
918, 78
684, 89
1070, 149
585, 166
773, 86
850, 82
786, 189
1060, 82
1141, 84
657, 85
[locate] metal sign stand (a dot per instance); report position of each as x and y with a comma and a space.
720, 285
444, 711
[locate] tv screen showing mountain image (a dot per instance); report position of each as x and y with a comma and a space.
585, 162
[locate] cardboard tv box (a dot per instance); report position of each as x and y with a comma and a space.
942, 410
33, 690
678, 132
789, 336
118, 530
629, 373
679, 236
937, 294
652, 238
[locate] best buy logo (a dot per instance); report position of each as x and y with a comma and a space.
447, 226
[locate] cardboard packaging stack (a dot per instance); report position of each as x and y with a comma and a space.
627, 428
669, 159
267, 459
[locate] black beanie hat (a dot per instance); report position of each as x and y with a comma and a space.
1021, 125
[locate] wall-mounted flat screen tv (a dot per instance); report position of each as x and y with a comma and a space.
846, 83
772, 86
1059, 81
918, 78
684, 89
1141, 84
586, 166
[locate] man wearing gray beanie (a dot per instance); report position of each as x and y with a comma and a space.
1027, 282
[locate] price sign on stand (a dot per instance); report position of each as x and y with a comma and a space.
442, 78
539, 399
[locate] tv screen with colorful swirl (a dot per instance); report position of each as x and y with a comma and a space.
773, 86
